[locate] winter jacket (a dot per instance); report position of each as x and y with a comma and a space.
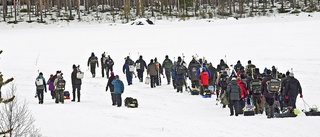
109, 84
93, 61
74, 79
126, 65
143, 64
181, 76
151, 69
207, 70
167, 64
243, 88
50, 83
118, 86
204, 78
233, 90
193, 71
293, 87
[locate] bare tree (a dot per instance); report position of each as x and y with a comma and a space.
15, 118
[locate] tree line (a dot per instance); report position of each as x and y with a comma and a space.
127, 10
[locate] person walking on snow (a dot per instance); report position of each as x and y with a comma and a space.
93, 63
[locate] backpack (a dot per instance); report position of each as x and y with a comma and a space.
181, 69
273, 86
39, 82
131, 102
93, 60
138, 65
167, 64
255, 87
61, 83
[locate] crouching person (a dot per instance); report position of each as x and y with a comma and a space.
118, 89
233, 93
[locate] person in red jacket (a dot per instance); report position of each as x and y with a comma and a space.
244, 92
204, 79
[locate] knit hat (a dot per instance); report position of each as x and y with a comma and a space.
111, 73
234, 78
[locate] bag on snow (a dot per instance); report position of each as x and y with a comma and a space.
194, 91
66, 95
248, 110
131, 102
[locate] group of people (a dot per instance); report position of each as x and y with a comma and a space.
237, 85
242, 85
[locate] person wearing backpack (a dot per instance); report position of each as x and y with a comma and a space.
103, 64
293, 88
250, 68
93, 63
152, 72
269, 96
233, 93
118, 90
140, 67
193, 67
109, 65
255, 91
181, 72
76, 83
167, 65
111, 87
159, 71
40, 86
126, 69
59, 84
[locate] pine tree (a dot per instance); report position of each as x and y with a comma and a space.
2, 83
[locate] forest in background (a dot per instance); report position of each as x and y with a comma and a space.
123, 11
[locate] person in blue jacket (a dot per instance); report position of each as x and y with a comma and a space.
118, 89
126, 69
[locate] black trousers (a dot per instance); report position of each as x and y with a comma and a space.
40, 95
74, 88
140, 74
234, 106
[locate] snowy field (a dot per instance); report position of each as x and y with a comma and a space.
285, 41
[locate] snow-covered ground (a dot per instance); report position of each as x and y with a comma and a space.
285, 41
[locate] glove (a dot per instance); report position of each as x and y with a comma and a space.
301, 96
286, 97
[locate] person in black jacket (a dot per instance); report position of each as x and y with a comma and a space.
293, 88
76, 83
140, 66
233, 93
269, 97
109, 85
93, 62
